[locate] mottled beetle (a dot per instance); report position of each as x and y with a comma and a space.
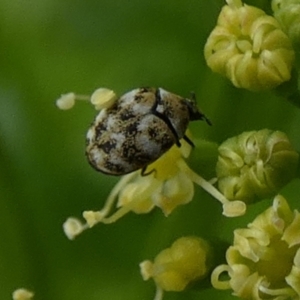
138, 128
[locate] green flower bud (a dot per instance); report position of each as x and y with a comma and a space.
287, 13
264, 260
249, 48
186, 261
255, 165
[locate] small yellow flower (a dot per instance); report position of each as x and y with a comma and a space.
264, 261
22, 294
186, 261
249, 48
255, 165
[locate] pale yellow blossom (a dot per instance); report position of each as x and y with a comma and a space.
264, 260
249, 48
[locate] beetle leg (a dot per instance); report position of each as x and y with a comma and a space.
144, 173
189, 141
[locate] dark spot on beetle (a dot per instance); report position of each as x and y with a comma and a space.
99, 129
131, 129
114, 168
138, 97
143, 158
107, 146
166, 142
152, 132
126, 114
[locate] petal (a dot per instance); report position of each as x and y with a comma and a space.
292, 232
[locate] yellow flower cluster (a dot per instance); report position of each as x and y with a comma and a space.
249, 48
264, 261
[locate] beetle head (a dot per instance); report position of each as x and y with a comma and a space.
194, 112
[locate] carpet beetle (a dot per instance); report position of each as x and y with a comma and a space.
137, 129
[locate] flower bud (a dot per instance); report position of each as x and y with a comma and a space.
174, 268
249, 48
255, 165
287, 13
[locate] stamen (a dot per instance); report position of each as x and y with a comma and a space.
73, 227
67, 101
230, 208
93, 217
287, 292
146, 269
216, 283
159, 293
103, 98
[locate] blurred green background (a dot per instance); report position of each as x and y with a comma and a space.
51, 47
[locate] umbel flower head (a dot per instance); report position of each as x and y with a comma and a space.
255, 165
287, 13
170, 184
264, 260
188, 260
249, 48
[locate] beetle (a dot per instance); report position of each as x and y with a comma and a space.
139, 128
